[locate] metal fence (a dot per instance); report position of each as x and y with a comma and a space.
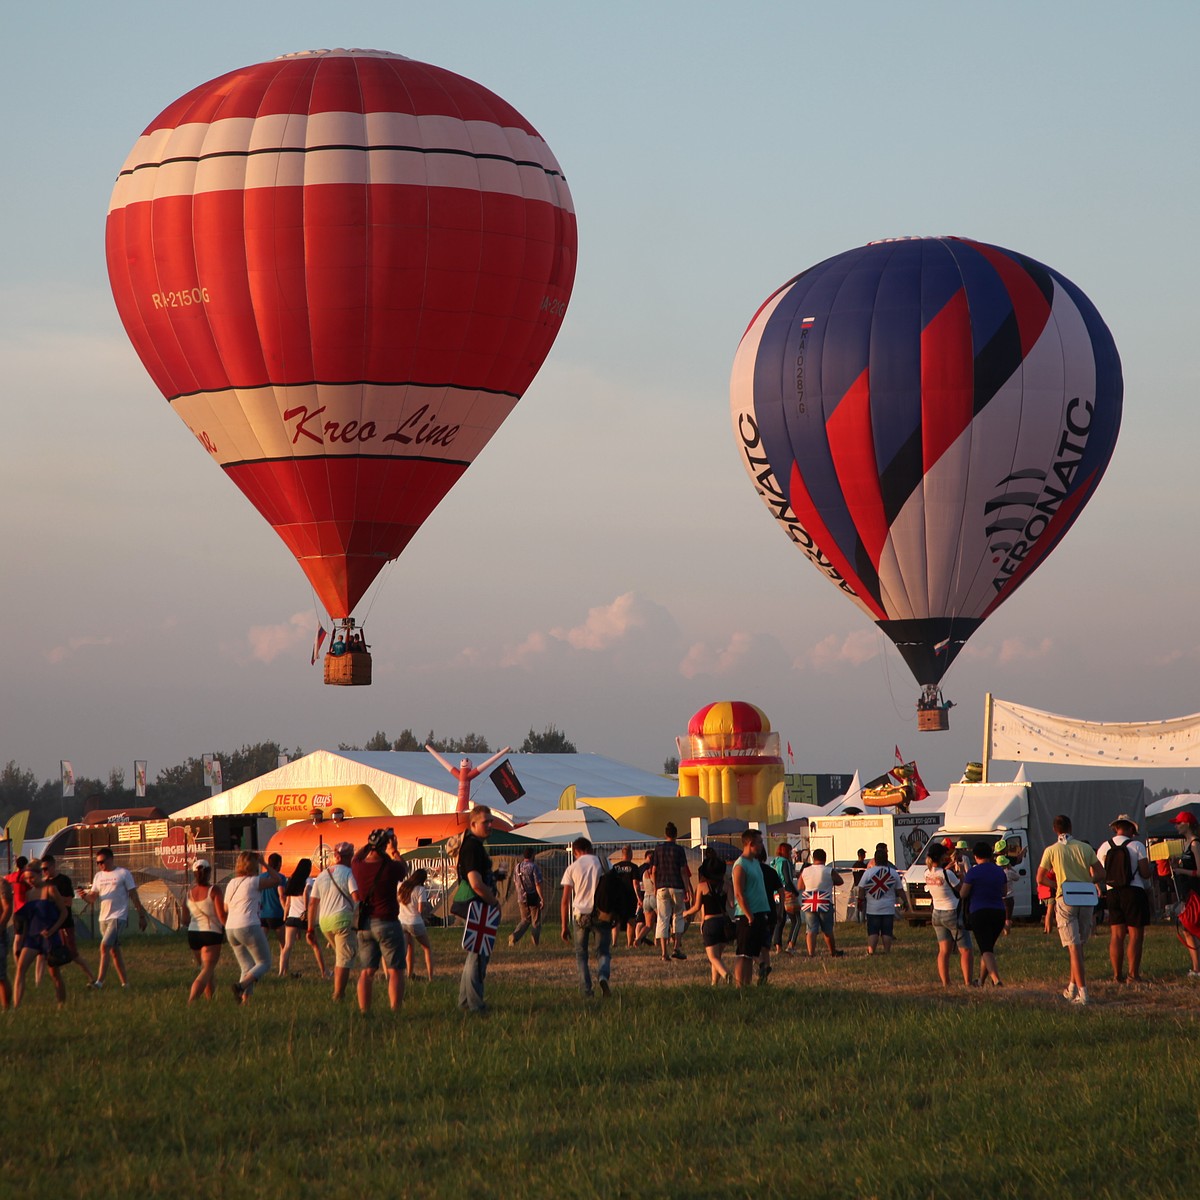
163, 891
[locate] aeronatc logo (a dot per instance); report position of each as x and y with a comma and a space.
1025, 512
776, 500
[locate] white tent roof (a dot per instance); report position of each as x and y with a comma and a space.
584, 821
401, 778
1166, 804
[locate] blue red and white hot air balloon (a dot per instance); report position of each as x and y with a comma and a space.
926, 418
342, 268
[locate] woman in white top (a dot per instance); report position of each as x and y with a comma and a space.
296, 894
206, 913
414, 904
942, 884
243, 926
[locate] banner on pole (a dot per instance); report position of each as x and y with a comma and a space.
1021, 734
68, 778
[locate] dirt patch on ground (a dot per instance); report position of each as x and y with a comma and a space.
909, 971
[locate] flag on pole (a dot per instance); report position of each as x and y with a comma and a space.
216, 774
207, 760
318, 642
68, 778
282, 760
139, 777
899, 756
791, 756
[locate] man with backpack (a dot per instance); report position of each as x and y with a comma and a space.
586, 901
530, 899
1126, 872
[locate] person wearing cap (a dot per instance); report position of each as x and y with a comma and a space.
206, 927
1126, 872
1074, 866
1187, 877
1011, 875
332, 907
962, 859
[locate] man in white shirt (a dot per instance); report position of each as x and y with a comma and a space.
1126, 896
816, 901
115, 888
580, 883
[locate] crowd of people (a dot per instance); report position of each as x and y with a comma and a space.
365, 907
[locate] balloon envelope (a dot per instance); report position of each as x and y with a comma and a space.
342, 268
925, 418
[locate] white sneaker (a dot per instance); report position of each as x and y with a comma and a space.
1070, 991
1080, 997
1193, 974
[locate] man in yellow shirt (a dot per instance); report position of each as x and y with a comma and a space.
1076, 870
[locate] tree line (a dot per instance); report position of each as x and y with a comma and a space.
178, 786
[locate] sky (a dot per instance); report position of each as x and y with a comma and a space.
605, 565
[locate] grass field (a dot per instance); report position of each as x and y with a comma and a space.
857, 1077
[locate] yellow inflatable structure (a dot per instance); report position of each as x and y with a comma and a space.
650, 814
355, 800
730, 759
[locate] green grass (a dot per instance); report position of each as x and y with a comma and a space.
854, 1078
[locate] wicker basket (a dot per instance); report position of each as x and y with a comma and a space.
930, 719
351, 669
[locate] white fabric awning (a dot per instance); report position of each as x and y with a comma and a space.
1020, 733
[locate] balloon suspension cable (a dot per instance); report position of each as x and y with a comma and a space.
376, 588
887, 675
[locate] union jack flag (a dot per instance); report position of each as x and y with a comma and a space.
816, 901
879, 884
479, 933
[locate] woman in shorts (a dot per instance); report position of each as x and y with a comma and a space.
414, 904
942, 884
712, 903
45, 914
649, 915
984, 888
296, 893
206, 927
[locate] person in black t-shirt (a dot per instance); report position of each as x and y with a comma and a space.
475, 867
630, 875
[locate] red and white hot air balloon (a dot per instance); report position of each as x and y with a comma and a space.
342, 268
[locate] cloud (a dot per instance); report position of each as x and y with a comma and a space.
606, 624
533, 647
1018, 650
57, 654
628, 622
1010, 650
702, 659
835, 652
268, 642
